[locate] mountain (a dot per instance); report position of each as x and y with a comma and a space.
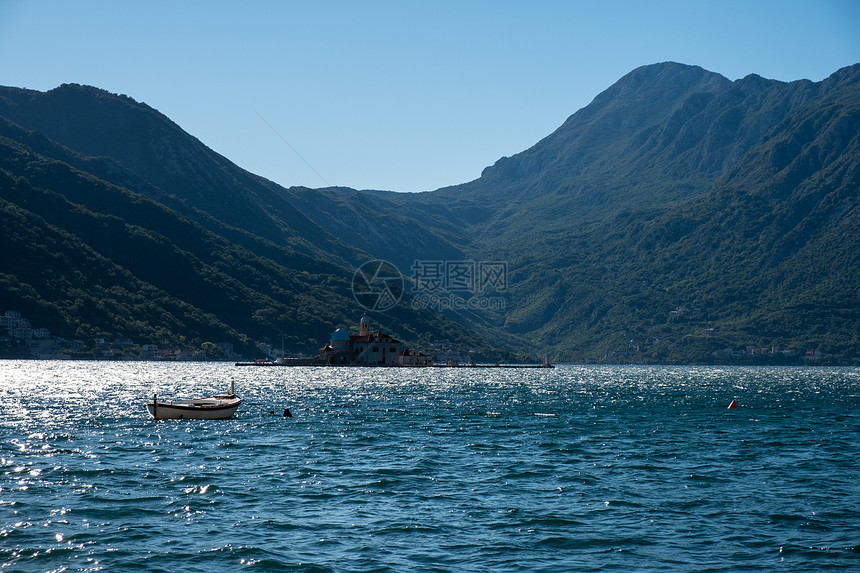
679, 217
135, 147
103, 247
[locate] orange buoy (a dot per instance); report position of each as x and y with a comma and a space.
732, 405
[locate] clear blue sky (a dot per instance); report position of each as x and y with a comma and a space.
401, 95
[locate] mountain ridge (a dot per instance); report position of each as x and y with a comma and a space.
677, 215
91, 260
673, 175
152, 155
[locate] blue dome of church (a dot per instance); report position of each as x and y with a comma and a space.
340, 334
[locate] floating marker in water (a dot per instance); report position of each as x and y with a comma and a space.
732, 405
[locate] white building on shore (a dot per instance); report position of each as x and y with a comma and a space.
369, 348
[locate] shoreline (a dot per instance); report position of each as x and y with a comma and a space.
317, 365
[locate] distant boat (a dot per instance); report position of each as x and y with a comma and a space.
217, 407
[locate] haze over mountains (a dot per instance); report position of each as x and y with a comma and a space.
679, 217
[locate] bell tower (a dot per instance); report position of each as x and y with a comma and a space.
364, 326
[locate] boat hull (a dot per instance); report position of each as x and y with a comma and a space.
206, 409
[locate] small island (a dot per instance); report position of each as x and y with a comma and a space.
367, 348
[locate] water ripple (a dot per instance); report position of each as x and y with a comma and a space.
587, 469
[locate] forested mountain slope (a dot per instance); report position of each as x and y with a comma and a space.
679, 217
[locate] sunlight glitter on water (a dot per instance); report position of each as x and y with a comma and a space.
447, 469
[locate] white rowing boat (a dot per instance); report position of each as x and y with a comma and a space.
217, 407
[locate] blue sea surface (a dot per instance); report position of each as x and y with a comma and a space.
435, 469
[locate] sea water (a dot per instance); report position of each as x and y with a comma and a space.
435, 469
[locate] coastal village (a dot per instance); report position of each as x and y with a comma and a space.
20, 339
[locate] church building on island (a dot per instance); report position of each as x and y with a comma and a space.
370, 349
